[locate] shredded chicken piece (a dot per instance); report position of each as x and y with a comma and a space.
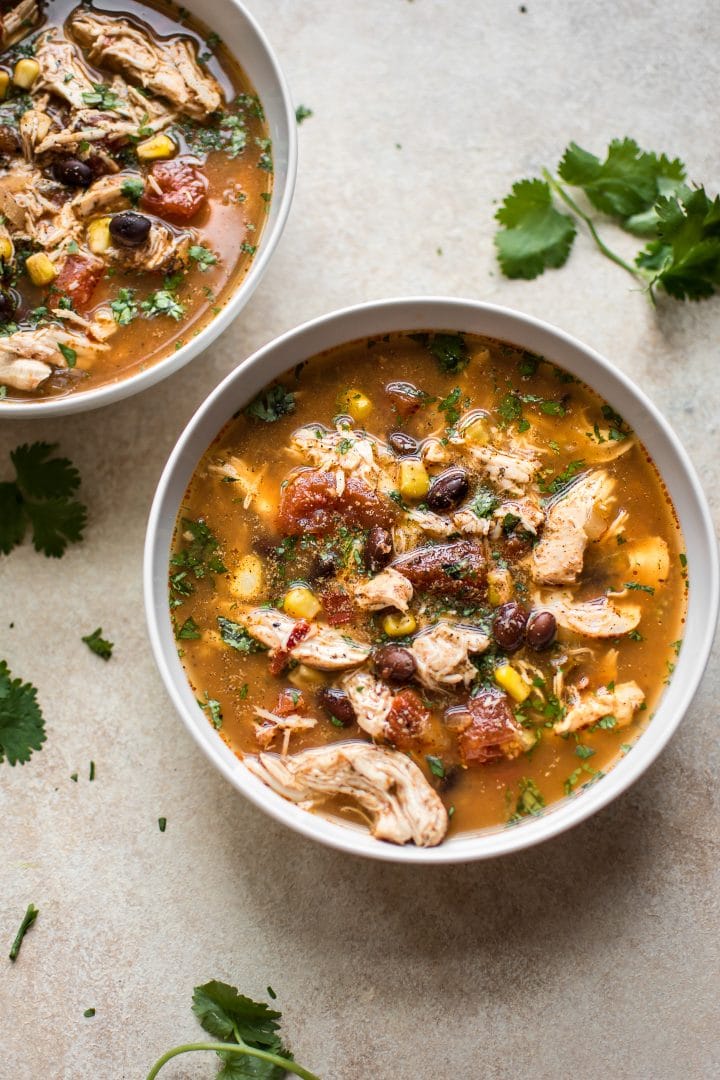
622, 703
33, 126
289, 725
468, 523
322, 647
104, 196
386, 783
370, 698
168, 68
163, 250
31, 206
27, 357
434, 452
345, 453
578, 516
387, 589
61, 71
248, 478
527, 510
598, 618
16, 23
442, 654
510, 471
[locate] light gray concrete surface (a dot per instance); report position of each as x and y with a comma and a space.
594, 956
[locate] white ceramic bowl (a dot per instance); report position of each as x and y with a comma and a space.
459, 315
248, 44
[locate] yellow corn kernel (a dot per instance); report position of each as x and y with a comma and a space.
478, 431
396, 624
98, 235
512, 682
25, 73
156, 148
4, 84
307, 678
6, 248
40, 269
500, 587
414, 480
355, 404
247, 582
301, 603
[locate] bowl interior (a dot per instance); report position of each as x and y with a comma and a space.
454, 315
247, 42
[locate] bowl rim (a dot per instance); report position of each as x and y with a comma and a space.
107, 393
443, 313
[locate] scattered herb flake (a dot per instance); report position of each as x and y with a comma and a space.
98, 644
28, 919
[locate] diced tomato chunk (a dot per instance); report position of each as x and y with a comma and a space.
279, 659
78, 278
337, 606
183, 190
311, 504
408, 722
289, 702
492, 729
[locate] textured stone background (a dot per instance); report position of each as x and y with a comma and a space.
593, 956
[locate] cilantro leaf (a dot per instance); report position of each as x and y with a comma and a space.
55, 524
627, 182
302, 113
236, 636
22, 728
202, 256
12, 518
98, 644
536, 235
189, 631
271, 404
685, 259
41, 478
450, 351
40, 496
69, 354
163, 302
232, 1017
200, 556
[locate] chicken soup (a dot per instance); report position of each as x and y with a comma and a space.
428, 582
135, 178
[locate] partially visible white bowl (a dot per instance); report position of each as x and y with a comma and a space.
247, 42
371, 320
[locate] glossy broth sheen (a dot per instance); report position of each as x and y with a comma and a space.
229, 225
528, 400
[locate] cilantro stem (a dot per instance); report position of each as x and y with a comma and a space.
232, 1048
569, 201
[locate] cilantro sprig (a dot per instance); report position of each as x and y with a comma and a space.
22, 728
644, 192
40, 498
251, 1044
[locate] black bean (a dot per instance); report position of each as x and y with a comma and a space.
402, 443
541, 629
509, 626
130, 229
448, 489
378, 549
73, 172
8, 305
337, 703
326, 563
394, 664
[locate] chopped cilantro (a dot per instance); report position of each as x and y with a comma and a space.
271, 404
236, 636
638, 587
302, 113
202, 256
69, 354
213, 709
163, 302
124, 308
435, 765
189, 631
97, 644
584, 751
28, 919
529, 801
485, 502
555, 485
101, 96
132, 188
448, 405
162, 824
